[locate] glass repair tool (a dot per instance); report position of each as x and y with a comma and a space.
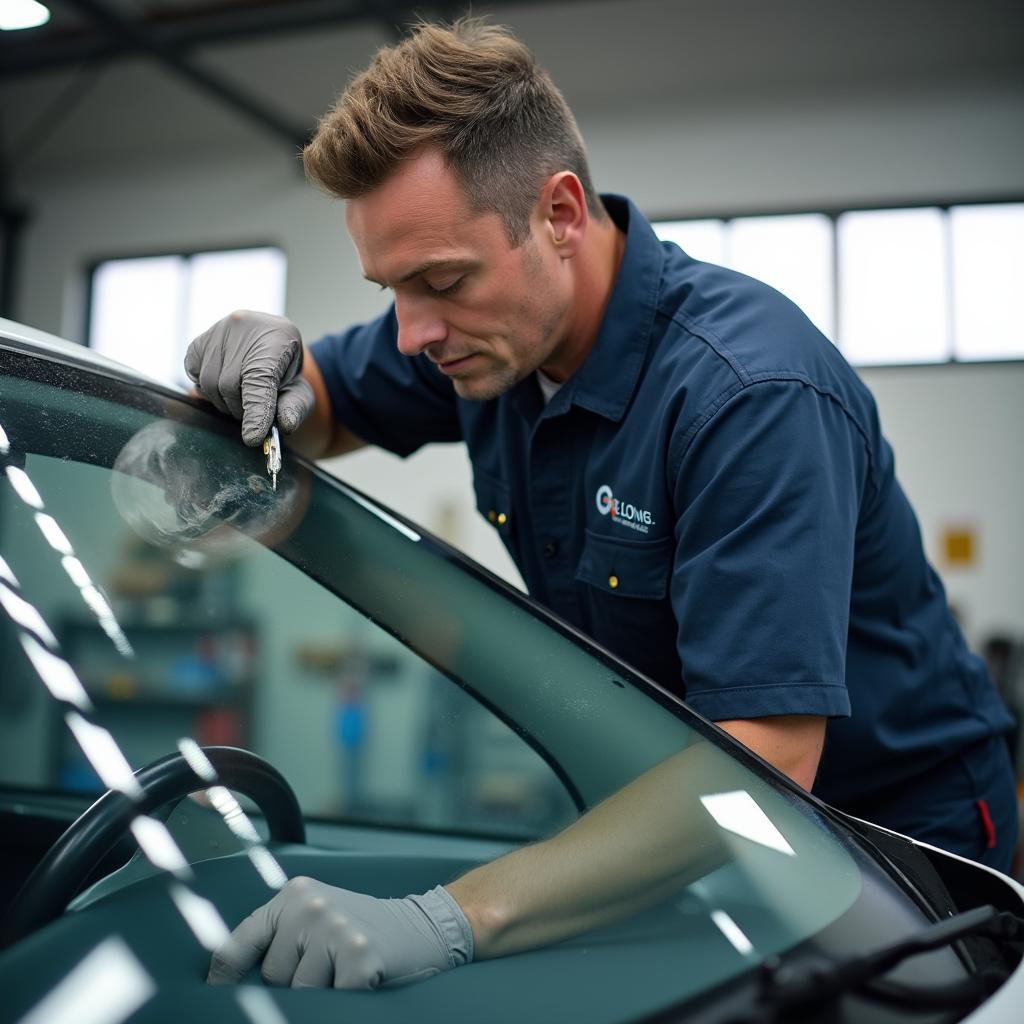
272, 450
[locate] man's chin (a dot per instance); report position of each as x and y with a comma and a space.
482, 388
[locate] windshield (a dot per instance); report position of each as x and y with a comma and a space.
143, 546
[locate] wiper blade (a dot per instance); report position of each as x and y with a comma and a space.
784, 988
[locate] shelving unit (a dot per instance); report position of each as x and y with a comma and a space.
188, 678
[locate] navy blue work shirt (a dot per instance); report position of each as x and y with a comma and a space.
711, 498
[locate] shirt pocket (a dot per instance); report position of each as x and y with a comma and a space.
625, 568
628, 607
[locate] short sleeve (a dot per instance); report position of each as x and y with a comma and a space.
393, 401
767, 494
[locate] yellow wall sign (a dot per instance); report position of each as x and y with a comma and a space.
959, 545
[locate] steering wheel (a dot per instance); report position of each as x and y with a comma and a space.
67, 864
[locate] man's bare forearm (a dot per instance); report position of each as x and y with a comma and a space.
632, 850
321, 436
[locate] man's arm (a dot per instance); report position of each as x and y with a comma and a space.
791, 743
635, 848
768, 494
631, 851
321, 436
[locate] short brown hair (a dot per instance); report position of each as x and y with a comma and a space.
470, 89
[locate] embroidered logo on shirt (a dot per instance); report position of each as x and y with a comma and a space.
622, 512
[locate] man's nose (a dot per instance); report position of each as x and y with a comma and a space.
418, 325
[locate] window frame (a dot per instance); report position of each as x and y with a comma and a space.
833, 213
93, 263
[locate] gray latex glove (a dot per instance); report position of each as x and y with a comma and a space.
315, 935
248, 365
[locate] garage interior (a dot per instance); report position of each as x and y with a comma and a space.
157, 128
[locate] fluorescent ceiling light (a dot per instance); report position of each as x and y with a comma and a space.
15, 14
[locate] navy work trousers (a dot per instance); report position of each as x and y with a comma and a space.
966, 805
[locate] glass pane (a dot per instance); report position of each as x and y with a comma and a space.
136, 313
988, 281
893, 287
702, 239
220, 282
792, 254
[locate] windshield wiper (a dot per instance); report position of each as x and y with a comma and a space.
784, 989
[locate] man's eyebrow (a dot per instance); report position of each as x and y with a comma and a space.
424, 268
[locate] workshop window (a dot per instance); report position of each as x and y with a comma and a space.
702, 239
988, 280
792, 253
144, 310
895, 286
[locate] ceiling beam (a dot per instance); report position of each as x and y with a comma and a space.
50, 50
135, 36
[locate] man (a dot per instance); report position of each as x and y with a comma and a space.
678, 461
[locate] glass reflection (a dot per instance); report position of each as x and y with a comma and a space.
106, 987
732, 931
197, 759
58, 540
223, 801
159, 848
57, 675
7, 575
201, 916
740, 814
234, 817
26, 615
24, 487
267, 867
104, 755
54, 535
76, 572
258, 1005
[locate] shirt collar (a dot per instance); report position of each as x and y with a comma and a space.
606, 380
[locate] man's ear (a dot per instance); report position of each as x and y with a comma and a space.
563, 205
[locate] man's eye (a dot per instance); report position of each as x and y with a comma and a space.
449, 289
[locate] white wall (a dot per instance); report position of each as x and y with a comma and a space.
760, 110
957, 433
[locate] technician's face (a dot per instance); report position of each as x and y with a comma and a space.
485, 313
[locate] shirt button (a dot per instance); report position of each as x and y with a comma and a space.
613, 582
550, 548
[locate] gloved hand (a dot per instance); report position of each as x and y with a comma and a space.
312, 934
248, 365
